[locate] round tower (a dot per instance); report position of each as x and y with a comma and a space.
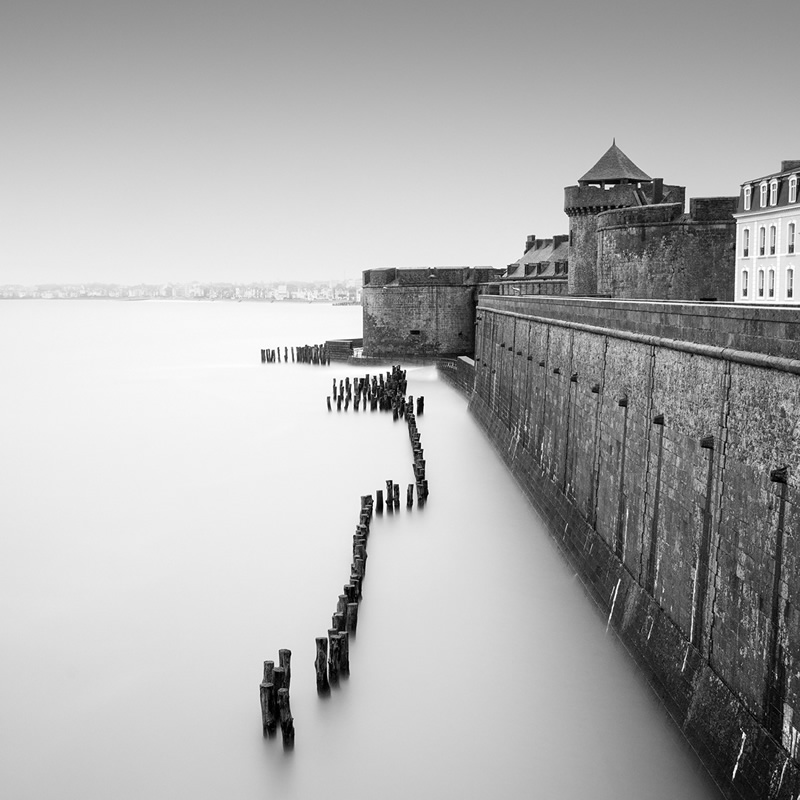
613, 182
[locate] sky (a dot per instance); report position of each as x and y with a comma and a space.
245, 140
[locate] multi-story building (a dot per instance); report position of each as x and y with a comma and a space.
766, 238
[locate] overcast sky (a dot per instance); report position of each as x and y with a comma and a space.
246, 140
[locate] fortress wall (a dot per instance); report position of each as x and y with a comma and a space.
654, 465
656, 251
771, 330
418, 320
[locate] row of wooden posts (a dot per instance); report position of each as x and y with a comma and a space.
379, 392
306, 354
333, 651
274, 695
332, 659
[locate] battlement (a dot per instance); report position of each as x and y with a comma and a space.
594, 199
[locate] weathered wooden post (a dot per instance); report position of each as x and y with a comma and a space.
337, 621
267, 697
379, 501
351, 621
285, 660
329, 402
287, 722
279, 678
389, 496
321, 664
420, 405
397, 496
410, 495
333, 657
344, 653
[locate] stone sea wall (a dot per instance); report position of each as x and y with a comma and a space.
667, 472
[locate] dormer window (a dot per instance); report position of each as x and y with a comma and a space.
773, 192
793, 189
763, 189
748, 197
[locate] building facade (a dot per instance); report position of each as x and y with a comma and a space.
766, 238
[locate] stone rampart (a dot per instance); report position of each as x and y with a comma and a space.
657, 251
667, 472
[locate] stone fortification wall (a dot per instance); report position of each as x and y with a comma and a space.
658, 251
773, 330
668, 474
420, 312
458, 372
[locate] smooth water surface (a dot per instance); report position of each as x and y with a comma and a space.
173, 512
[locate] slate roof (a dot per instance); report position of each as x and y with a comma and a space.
614, 167
540, 261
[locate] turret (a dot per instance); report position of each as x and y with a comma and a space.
613, 182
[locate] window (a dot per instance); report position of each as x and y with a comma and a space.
763, 188
744, 282
772, 283
793, 189
762, 240
790, 238
789, 282
761, 283
772, 230
746, 242
748, 196
773, 192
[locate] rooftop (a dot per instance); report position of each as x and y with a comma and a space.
614, 167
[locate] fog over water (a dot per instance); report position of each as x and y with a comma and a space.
173, 512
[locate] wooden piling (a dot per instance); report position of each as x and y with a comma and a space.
285, 660
338, 621
351, 619
269, 668
333, 657
397, 496
287, 721
389, 495
267, 698
410, 495
279, 678
344, 653
321, 664
379, 501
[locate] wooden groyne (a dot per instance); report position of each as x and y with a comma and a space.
384, 392
317, 354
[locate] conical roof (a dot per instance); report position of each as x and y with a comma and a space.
614, 167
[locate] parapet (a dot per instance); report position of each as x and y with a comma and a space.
428, 276
594, 199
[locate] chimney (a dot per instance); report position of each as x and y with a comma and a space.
658, 190
786, 166
530, 242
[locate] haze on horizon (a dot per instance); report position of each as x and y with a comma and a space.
256, 141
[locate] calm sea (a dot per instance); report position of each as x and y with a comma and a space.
173, 512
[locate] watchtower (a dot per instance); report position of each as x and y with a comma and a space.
613, 182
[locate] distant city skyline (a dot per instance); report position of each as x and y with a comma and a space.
250, 141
